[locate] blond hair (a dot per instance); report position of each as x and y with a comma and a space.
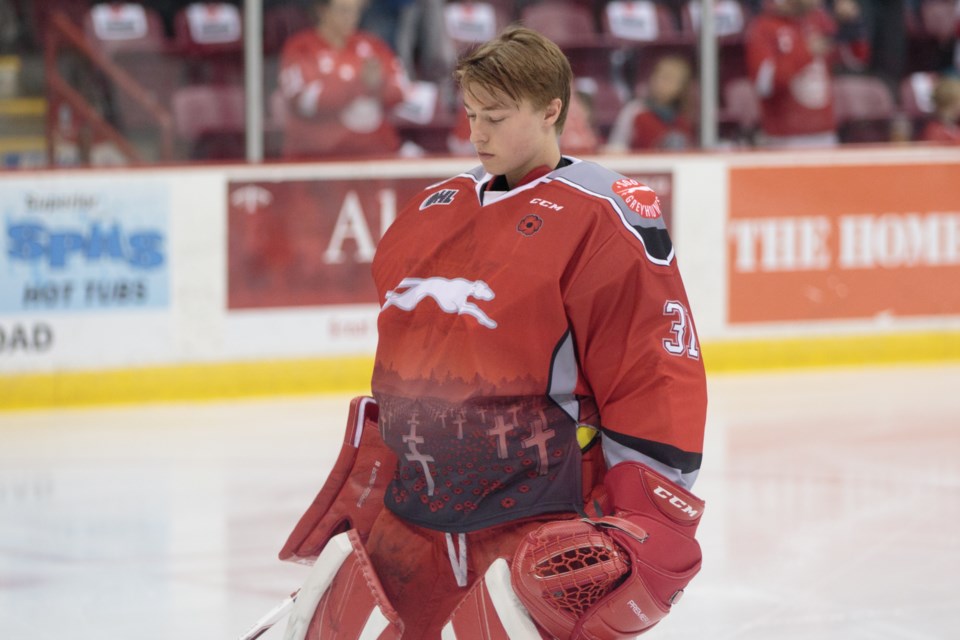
946, 93
519, 64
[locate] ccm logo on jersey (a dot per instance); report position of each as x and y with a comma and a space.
547, 204
444, 196
676, 502
452, 296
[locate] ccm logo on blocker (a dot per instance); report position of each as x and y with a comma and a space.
676, 502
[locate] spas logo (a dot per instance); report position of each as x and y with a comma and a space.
35, 242
444, 196
639, 197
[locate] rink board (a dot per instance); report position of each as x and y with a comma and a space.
174, 283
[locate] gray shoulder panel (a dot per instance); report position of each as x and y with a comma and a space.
635, 204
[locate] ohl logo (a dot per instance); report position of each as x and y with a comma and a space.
639, 197
444, 196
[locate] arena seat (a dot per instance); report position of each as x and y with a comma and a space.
571, 26
470, 23
43, 12
644, 31
731, 18
863, 108
209, 121
209, 35
740, 112
638, 21
133, 37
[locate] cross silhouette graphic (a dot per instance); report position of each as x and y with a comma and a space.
412, 440
538, 438
460, 421
500, 429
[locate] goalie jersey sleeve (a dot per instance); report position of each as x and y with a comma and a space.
505, 323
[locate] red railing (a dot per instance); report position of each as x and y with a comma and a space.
63, 34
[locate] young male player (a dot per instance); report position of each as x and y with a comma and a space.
540, 391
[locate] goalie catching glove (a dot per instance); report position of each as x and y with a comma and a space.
618, 575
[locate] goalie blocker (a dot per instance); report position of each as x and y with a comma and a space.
604, 578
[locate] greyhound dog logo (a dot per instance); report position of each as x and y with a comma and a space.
452, 296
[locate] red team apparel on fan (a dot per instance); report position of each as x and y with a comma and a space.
330, 109
792, 80
651, 131
510, 318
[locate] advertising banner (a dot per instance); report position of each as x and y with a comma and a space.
843, 242
75, 251
311, 242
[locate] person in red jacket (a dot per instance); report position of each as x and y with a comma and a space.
789, 53
660, 120
339, 85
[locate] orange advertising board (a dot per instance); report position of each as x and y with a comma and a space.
840, 242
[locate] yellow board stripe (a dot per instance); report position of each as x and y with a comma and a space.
186, 382
831, 351
329, 375
13, 107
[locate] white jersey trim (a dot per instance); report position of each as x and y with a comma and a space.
614, 453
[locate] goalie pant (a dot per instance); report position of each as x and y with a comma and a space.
388, 573
402, 577
396, 586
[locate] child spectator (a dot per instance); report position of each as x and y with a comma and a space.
945, 125
660, 119
339, 85
852, 53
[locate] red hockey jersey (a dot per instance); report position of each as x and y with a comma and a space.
794, 84
329, 108
505, 325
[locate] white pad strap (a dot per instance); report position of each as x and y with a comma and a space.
458, 562
324, 570
371, 620
510, 612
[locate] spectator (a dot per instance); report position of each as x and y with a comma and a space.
579, 136
788, 48
853, 52
660, 120
414, 29
886, 31
339, 85
945, 124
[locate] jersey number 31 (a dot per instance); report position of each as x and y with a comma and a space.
683, 341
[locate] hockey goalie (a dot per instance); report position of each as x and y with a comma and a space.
524, 467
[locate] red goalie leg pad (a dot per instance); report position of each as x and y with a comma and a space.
342, 598
491, 611
352, 496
